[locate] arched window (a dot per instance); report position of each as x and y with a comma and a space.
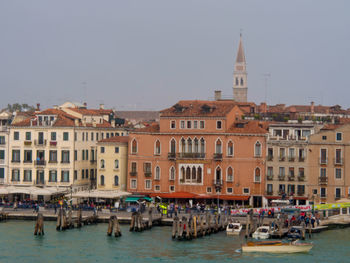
116, 180
188, 174
157, 148
182, 175
241, 81
229, 176
102, 164
157, 176
218, 175
257, 149
183, 145
257, 177
134, 146
194, 175
189, 145
202, 145
196, 145
218, 148
102, 179
172, 173
199, 175
173, 146
116, 164
230, 148
237, 82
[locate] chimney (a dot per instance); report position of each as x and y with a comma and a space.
263, 107
76, 122
312, 107
102, 106
113, 123
217, 95
85, 104
38, 107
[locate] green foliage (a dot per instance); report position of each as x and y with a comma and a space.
19, 107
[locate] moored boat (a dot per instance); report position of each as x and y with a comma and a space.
262, 232
277, 247
233, 229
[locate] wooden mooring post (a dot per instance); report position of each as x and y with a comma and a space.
39, 225
114, 224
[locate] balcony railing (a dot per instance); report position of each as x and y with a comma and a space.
291, 177
65, 161
282, 158
27, 161
281, 177
191, 155
338, 161
217, 183
217, 156
269, 192
323, 180
171, 156
40, 142
301, 158
323, 196
15, 161
301, 178
53, 143
133, 173
300, 193
39, 182
291, 159
323, 160
40, 162
270, 157
270, 177
27, 143
148, 174
93, 161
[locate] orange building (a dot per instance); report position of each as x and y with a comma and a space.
200, 150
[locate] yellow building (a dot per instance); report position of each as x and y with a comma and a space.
328, 171
112, 162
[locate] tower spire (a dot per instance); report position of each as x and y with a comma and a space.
240, 53
240, 88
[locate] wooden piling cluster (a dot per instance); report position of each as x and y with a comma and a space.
39, 225
3, 216
187, 228
138, 224
65, 221
114, 224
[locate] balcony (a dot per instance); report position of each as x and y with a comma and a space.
217, 183
291, 159
191, 155
301, 178
300, 193
269, 192
282, 158
323, 180
301, 159
40, 162
93, 161
338, 161
217, 156
39, 182
172, 156
281, 177
27, 143
291, 177
133, 173
27, 161
270, 177
323, 160
53, 143
270, 157
15, 161
52, 161
148, 173
40, 142
65, 161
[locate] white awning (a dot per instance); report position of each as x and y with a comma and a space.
99, 194
4, 191
32, 190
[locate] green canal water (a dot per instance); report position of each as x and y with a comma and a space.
90, 244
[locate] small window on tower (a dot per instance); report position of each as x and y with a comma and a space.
241, 81
237, 82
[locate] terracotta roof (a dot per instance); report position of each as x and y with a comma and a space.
152, 128
120, 139
199, 108
92, 111
249, 127
331, 126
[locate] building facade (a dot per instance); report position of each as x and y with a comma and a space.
5, 120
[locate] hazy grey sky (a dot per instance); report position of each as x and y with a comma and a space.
150, 54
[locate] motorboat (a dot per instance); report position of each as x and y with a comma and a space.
262, 232
295, 233
277, 247
233, 229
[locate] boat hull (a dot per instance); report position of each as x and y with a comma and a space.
299, 248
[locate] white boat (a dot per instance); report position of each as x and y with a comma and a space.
262, 232
277, 247
233, 229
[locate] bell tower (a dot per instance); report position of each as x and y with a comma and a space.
240, 88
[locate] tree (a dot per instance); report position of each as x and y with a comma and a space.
19, 107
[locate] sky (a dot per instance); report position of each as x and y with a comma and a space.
147, 55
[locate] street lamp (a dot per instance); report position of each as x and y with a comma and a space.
218, 186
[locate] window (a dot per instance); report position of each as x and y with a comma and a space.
87, 173
182, 124
157, 148
323, 192
172, 124
2, 140
75, 175
172, 188
196, 145
82, 174
269, 189
218, 125
27, 175
2, 154
65, 176
245, 190
314, 191
229, 190
75, 155
337, 193
87, 154
116, 180
102, 164
157, 188
201, 124
107, 135
75, 136
270, 154
291, 154
230, 148
16, 136
27, 156
172, 174
53, 176
189, 145
339, 136
301, 190
83, 155
87, 136
324, 137
257, 177
133, 183
323, 172
102, 180
257, 149
323, 156
291, 172
189, 124
282, 154
173, 146
28, 136
15, 175
195, 124
134, 146
291, 189
16, 156
269, 172
208, 189
157, 176
53, 136
229, 176
202, 142
148, 184
133, 167
281, 172
147, 168
338, 156
116, 149
241, 81
338, 172
237, 82
83, 136
65, 156
301, 155
102, 149
65, 136
218, 147
281, 189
